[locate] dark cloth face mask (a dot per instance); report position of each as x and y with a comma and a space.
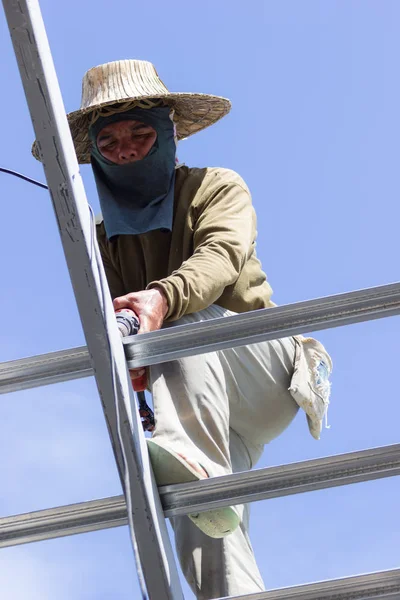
137, 197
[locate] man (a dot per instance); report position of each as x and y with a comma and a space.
178, 246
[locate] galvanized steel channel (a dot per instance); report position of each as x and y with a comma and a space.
195, 338
371, 586
265, 324
260, 484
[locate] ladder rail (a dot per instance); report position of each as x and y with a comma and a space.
250, 486
78, 238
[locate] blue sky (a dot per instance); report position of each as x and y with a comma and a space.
314, 131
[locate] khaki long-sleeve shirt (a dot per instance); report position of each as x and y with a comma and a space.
209, 257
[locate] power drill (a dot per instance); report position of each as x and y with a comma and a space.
128, 324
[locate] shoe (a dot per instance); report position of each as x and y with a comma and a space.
170, 468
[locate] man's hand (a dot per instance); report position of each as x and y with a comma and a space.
150, 306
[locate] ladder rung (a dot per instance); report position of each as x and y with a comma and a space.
186, 340
383, 584
260, 484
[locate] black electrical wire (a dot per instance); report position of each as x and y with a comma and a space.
24, 177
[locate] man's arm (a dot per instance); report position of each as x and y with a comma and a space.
224, 232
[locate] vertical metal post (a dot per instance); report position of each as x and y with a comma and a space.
74, 221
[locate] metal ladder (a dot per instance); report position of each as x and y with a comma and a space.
144, 507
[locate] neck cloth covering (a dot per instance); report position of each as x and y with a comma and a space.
137, 197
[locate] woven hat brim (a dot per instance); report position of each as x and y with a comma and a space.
193, 112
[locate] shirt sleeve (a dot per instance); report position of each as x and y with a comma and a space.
223, 236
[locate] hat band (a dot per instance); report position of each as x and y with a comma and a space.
113, 109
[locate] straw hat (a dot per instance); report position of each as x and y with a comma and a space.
126, 81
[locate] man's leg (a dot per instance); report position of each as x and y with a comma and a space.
191, 410
201, 405
192, 418
224, 567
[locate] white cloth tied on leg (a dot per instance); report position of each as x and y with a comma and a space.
310, 386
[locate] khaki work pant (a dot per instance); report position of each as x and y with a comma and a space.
220, 409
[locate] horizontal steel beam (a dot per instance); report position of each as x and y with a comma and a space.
62, 521
383, 584
285, 480
187, 340
260, 325
44, 369
181, 499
